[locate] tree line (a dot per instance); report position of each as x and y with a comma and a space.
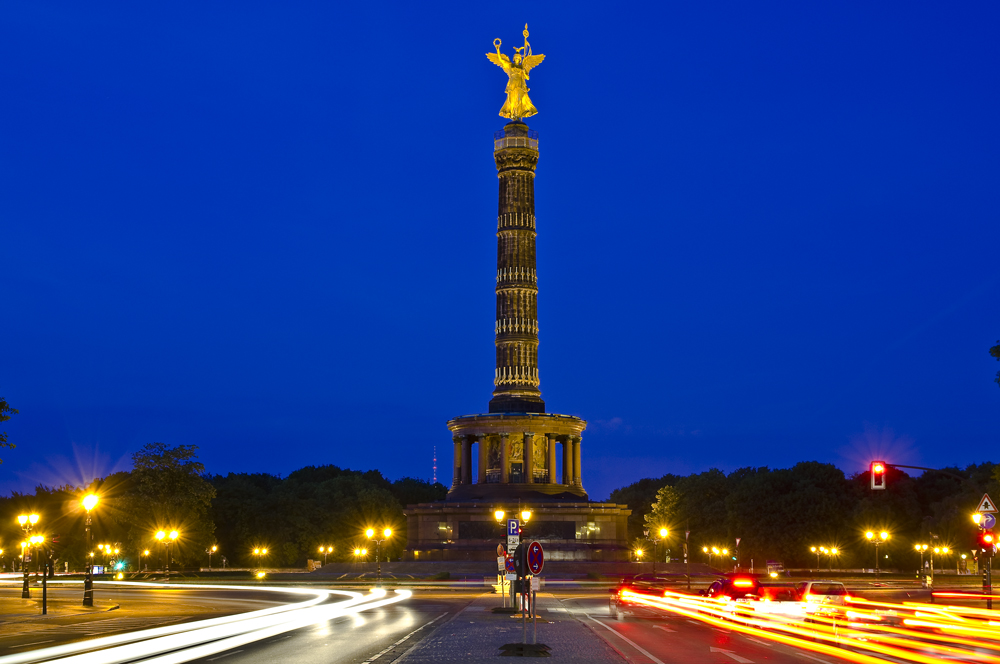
779, 514
168, 489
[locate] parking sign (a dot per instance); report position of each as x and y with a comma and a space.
513, 536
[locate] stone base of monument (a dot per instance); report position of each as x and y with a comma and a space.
525, 650
468, 531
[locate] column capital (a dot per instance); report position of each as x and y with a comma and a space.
504, 435
529, 433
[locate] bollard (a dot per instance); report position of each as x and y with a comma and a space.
45, 590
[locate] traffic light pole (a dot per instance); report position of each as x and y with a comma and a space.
988, 582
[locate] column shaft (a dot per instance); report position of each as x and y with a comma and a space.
504, 459
466, 461
483, 447
577, 476
550, 458
567, 477
457, 470
529, 458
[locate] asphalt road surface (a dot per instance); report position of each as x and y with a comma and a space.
661, 638
383, 633
141, 608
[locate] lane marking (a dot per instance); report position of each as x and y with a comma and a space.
377, 655
695, 622
816, 659
734, 656
212, 659
665, 629
629, 641
763, 643
25, 645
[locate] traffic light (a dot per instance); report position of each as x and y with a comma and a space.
878, 469
987, 543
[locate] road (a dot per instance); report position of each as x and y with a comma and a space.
314, 625
669, 639
385, 631
140, 608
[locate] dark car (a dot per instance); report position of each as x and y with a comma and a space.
640, 584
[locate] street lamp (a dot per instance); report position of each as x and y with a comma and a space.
145, 553
27, 522
663, 535
326, 551
941, 551
259, 552
89, 502
167, 538
386, 534
638, 555
210, 550
921, 548
881, 539
833, 552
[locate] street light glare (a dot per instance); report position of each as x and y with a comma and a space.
90, 501
33, 518
174, 534
869, 534
387, 533
22, 519
498, 515
977, 517
883, 535
159, 536
525, 515
370, 533
663, 532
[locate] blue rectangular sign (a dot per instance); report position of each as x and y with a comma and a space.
512, 527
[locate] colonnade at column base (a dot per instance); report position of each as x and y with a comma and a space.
514, 455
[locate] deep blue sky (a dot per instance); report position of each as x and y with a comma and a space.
767, 233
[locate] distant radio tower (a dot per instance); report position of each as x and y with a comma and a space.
435, 479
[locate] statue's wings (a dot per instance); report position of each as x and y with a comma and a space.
500, 60
531, 61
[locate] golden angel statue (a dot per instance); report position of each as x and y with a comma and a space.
518, 104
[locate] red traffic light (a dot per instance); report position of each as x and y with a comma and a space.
878, 469
987, 543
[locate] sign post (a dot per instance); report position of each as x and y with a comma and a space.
536, 562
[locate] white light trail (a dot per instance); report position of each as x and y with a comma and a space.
193, 640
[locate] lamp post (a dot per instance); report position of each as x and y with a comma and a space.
880, 539
27, 522
921, 548
259, 552
386, 534
145, 553
167, 538
326, 551
833, 552
89, 502
359, 555
941, 551
816, 551
210, 550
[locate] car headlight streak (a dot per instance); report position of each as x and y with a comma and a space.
198, 639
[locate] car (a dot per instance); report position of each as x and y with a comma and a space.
822, 595
641, 584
